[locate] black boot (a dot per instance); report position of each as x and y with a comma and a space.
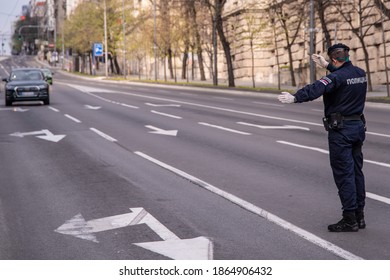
346, 224
360, 219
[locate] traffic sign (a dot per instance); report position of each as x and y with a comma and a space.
98, 49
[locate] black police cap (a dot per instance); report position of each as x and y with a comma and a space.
337, 46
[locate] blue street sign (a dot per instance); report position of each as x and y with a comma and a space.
98, 49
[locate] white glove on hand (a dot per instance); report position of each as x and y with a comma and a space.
319, 60
286, 97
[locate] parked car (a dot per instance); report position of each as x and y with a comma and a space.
48, 75
26, 84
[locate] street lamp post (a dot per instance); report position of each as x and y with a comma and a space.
105, 38
124, 38
155, 41
312, 30
215, 44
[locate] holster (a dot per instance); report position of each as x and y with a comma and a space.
336, 121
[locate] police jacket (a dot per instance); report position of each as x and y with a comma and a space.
344, 91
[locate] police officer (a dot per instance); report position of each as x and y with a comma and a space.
344, 93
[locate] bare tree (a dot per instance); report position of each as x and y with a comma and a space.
360, 18
252, 32
196, 34
290, 15
217, 8
322, 8
381, 6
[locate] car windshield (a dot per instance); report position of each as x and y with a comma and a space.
26, 75
47, 72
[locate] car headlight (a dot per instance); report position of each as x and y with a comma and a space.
41, 87
7, 87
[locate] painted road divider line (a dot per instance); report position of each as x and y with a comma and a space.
72, 118
105, 136
166, 115
274, 126
368, 194
256, 210
327, 152
53, 109
224, 128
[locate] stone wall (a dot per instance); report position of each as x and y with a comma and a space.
265, 56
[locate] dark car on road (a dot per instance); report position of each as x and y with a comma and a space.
26, 84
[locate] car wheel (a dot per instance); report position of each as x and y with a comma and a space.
46, 101
8, 102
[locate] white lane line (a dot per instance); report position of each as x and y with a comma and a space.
166, 115
378, 197
72, 118
304, 147
128, 106
88, 90
327, 152
378, 134
223, 98
212, 107
105, 136
368, 194
224, 128
267, 104
53, 109
257, 211
274, 126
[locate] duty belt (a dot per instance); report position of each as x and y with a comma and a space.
352, 118
336, 121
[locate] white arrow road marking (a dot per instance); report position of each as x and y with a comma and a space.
199, 248
92, 107
172, 246
163, 105
256, 210
161, 131
47, 135
15, 109
274, 127
78, 227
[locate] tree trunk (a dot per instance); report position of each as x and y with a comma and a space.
226, 48
366, 60
321, 14
253, 64
184, 64
198, 42
170, 65
291, 68
116, 64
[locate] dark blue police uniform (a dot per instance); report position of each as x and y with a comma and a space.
344, 92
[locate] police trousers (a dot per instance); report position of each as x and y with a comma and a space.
346, 160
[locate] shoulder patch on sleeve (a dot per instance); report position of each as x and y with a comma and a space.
326, 81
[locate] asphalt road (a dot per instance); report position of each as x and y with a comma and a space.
115, 170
